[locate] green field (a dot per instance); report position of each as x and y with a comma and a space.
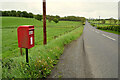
9, 32
41, 58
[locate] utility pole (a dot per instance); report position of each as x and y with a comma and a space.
96, 22
119, 13
99, 20
44, 22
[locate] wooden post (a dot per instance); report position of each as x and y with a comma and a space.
99, 20
21, 51
44, 22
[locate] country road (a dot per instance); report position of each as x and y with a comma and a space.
93, 55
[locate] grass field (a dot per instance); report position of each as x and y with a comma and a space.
41, 58
9, 32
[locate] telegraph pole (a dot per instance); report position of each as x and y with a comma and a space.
119, 13
99, 19
44, 22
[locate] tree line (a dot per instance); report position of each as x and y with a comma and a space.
50, 18
66, 18
104, 21
72, 18
25, 14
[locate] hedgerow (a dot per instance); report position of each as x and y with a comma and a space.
110, 27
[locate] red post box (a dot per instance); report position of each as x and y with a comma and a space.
25, 36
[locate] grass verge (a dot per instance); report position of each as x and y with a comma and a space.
41, 58
115, 32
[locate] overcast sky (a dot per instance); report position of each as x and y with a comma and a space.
85, 8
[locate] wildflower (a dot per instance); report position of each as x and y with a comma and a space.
48, 58
39, 60
45, 68
39, 70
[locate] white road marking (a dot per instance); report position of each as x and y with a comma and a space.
103, 34
96, 31
108, 37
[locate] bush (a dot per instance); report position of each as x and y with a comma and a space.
55, 20
103, 21
84, 23
112, 28
93, 24
38, 17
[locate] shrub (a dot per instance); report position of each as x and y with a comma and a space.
93, 24
84, 23
55, 20
112, 28
103, 21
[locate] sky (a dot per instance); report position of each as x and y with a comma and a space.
82, 8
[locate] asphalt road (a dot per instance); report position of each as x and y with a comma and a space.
93, 55
102, 50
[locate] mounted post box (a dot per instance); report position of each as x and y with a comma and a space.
25, 36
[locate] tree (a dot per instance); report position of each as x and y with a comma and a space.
50, 18
18, 14
0, 13
110, 20
13, 13
119, 22
38, 17
115, 21
25, 14
9, 13
55, 20
58, 17
103, 21
73, 18
31, 15
4, 13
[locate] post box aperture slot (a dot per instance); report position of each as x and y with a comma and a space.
31, 31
